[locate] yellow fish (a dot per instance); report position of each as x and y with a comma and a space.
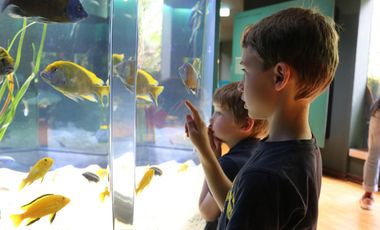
75, 81
103, 194
48, 204
117, 58
148, 88
190, 75
102, 173
38, 170
183, 167
103, 127
147, 178
6, 63
157, 171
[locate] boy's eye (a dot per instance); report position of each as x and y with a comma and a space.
244, 69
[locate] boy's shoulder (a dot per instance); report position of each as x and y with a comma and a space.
284, 155
236, 158
245, 146
282, 164
274, 185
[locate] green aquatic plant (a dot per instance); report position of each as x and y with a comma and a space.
22, 30
8, 112
39, 54
10, 77
10, 84
2, 89
19, 48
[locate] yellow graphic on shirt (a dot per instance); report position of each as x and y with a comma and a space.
230, 199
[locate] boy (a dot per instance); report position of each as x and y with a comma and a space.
231, 125
288, 59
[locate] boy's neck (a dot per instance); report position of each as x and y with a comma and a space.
235, 141
290, 122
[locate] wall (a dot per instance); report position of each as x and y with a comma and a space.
358, 118
335, 152
249, 4
225, 60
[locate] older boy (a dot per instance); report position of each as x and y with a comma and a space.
289, 58
230, 124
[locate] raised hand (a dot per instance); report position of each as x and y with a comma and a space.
196, 129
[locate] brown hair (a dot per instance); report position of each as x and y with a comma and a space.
302, 38
229, 98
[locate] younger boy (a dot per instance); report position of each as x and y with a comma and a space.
289, 58
230, 124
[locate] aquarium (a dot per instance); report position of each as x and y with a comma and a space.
92, 113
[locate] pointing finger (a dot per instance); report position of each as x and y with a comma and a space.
191, 125
193, 110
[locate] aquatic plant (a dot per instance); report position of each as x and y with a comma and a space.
8, 111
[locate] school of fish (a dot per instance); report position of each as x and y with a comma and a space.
79, 83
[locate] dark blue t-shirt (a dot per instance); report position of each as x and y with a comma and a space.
233, 161
278, 188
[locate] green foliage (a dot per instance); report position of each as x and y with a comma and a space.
7, 117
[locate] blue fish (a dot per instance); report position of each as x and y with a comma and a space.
59, 11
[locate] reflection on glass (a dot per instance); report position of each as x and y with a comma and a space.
175, 50
92, 114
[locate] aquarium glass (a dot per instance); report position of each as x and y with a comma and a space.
92, 115
171, 35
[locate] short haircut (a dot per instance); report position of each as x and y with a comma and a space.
302, 38
229, 98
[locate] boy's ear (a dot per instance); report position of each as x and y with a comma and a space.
282, 72
248, 124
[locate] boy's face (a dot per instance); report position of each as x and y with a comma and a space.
223, 124
257, 85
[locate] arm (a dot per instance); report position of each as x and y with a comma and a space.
204, 192
217, 181
207, 205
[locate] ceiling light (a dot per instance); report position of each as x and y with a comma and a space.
224, 12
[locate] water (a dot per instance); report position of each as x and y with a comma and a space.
127, 135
